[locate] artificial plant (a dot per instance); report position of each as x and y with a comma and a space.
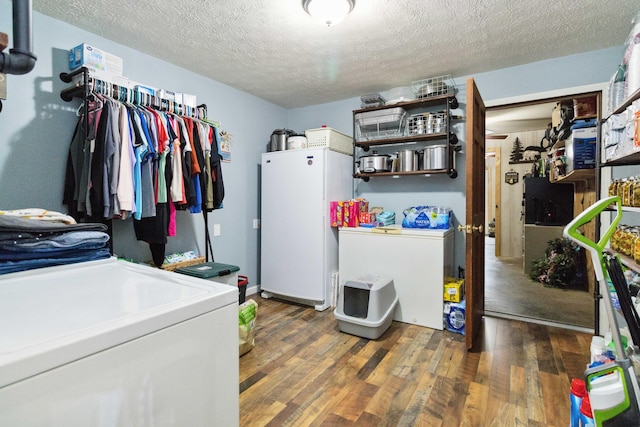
562, 266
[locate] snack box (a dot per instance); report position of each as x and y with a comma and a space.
94, 58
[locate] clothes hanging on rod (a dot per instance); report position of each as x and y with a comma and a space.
142, 161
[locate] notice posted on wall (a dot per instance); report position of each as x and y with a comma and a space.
225, 146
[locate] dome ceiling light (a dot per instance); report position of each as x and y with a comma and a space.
328, 12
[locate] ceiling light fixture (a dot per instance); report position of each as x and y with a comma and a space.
328, 12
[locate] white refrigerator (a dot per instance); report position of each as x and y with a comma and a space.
111, 343
299, 248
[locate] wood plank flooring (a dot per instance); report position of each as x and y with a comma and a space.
304, 372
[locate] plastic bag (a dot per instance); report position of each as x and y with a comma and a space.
247, 314
386, 218
427, 217
417, 217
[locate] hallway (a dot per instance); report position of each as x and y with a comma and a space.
510, 293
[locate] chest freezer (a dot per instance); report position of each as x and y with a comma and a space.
417, 260
114, 343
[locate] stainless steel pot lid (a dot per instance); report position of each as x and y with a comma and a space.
375, 154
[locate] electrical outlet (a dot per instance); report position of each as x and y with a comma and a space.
216, 229
256, 223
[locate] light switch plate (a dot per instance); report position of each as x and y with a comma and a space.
216, 229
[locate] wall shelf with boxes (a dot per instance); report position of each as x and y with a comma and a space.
575, 123
618, 134
618, 149
413, 136
621, 147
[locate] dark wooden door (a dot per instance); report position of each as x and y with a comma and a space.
475, 217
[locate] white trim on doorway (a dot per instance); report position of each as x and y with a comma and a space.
604, 87
543, 96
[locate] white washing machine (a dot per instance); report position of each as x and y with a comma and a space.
111, 343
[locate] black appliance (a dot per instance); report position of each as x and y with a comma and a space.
546, 203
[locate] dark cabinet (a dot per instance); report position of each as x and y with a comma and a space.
546, 203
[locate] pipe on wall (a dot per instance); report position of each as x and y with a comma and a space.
20, 59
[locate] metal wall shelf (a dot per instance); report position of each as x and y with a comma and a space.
448, 101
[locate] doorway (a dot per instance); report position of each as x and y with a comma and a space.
509, 291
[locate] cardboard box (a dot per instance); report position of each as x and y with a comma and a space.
585, 107
94, 58
354, 213
367, 217
333, 213
347, 213
580, 149
343, 213
453, 290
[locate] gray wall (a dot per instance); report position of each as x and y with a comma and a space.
37, 127
440, 190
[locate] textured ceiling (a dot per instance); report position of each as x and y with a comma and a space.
272, 49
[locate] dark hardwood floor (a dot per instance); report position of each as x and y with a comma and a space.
304, 371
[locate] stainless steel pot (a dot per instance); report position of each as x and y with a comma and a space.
279, 139
408, 160
435, 157
375, 162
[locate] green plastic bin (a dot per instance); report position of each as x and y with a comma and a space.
218, 272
